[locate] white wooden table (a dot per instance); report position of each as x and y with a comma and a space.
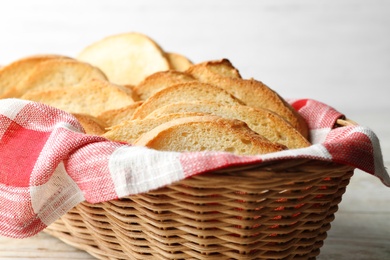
333, 51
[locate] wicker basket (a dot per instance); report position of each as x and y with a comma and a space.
280, 210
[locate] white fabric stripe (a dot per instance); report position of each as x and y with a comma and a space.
318, 136
11, 107
317, 151
139, 169
56, 197
68, 126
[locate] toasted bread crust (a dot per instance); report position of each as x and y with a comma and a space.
91, 125
215, 68
177, 61
160, 80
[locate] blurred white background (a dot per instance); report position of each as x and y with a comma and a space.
337, 52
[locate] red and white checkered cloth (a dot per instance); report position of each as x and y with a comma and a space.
48, 165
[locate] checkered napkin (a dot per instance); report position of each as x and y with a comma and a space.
48, 165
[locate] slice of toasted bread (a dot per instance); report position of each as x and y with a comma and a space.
190, 91
57, 74
91, 97
91, 124
252, 93
207, 133
177, 61
160, 80
126, 58
115, 116
262, 121
216, 68
16, 72
131, 130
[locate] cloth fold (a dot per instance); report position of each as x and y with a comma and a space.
48, 164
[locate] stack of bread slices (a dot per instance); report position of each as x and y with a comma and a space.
127, 88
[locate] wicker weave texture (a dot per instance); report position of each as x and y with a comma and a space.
278, 211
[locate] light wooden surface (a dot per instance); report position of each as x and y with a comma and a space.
333, 51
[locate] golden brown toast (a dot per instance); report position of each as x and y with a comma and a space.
190, 91
91, 97
160, 80
262, 121
251, 92
178, 61
207, 133
131, 130
16, 72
